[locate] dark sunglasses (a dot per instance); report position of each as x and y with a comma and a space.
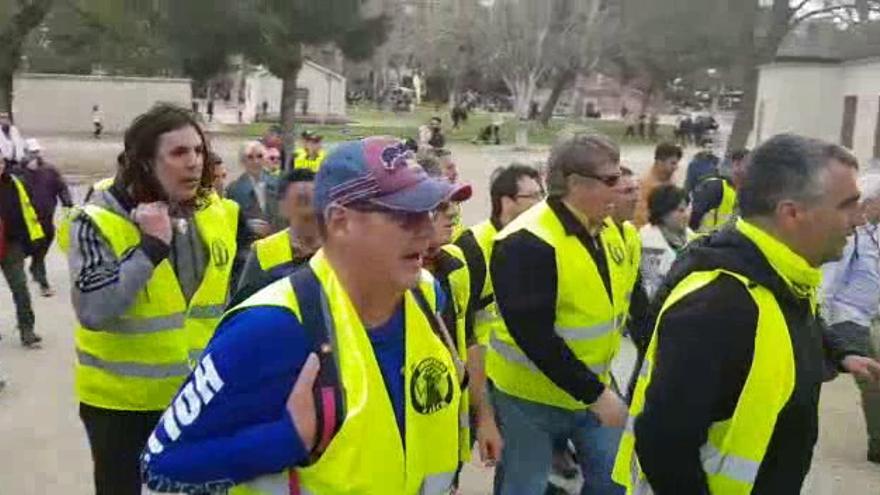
406, 219
608, 180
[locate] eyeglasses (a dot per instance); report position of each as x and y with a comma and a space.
535, 196
608, 180
405, 219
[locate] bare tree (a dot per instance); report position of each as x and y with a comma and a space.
17, 19
761, 32
579, 32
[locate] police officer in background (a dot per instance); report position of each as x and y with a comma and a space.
728, 395
549, 363
150, 262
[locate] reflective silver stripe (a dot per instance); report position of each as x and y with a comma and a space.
630, 424
276, 484
464, 420
484, 316
586, 333
195, 355
513, 354
437, 484
728, 465
143, 325
640, 485
645, 370
206, 312
134, 370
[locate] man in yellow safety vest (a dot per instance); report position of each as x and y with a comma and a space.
727, 399
20, 230
279, 254
549, 363
337, 379
150, 260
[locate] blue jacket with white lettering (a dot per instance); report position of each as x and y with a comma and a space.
229, 423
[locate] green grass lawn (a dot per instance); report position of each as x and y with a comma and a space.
368, 121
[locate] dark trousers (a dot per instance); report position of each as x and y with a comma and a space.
117, 439
38, 257
12, 265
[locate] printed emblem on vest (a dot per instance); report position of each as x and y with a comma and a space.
617, 254
431, 387
219, 253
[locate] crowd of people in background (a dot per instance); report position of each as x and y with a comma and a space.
330, 326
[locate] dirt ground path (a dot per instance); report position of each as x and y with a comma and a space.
43, 449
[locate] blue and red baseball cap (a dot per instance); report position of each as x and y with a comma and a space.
381, 171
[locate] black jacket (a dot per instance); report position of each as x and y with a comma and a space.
14, 226
704, 354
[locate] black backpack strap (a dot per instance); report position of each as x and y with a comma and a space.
329, 399
442, 333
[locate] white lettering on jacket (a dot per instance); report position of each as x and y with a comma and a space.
198, 392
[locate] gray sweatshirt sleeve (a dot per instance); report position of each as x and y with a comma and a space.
103, 285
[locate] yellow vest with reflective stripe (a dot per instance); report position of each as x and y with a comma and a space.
366, 456
31, 221
137, 361
488, 317
586, 318
460, 285
302, 160
716, 218
735, 449
627, 234
274, 250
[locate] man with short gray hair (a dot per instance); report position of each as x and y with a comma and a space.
561, 285
727, 400
851, 302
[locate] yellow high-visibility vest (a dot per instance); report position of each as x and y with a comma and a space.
486, 318
367, 456
460, 286
137, 361
31, 221
274, 250
717, 217
589, 325
302, 160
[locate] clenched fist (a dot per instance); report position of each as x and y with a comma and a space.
153, 219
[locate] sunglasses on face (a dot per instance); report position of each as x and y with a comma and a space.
607, 180
407, 220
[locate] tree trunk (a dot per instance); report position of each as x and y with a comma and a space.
560, 84
745, 117
12, 37
288, 105
6, 91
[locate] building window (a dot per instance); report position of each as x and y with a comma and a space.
847, 130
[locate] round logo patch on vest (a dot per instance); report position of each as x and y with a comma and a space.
431, 387
220, 253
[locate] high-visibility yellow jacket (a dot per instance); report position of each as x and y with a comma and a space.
137, 361
31, 221
302, 160
366, 456
589, 325
274, 250
717, 217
